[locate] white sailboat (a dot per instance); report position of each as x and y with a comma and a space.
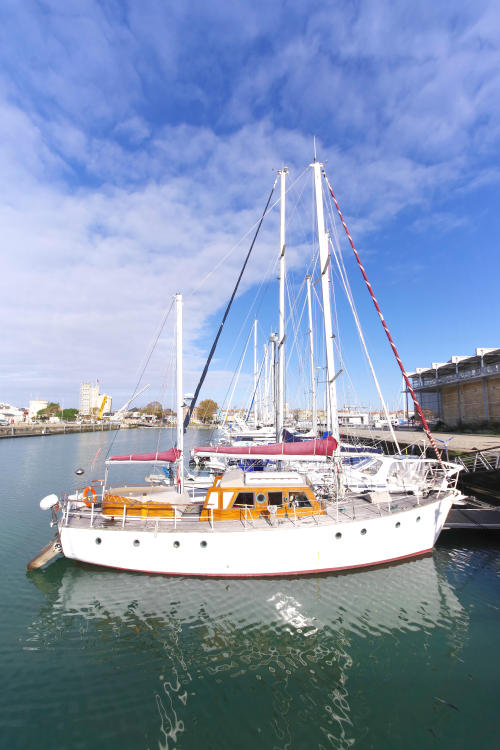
251, 524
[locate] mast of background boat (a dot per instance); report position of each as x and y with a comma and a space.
273, 340
311, 357
255, 374
280, 386
324, 258
180, 399
267, 385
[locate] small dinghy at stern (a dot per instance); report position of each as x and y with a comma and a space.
51, 550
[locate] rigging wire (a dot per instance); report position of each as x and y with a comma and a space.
343, 275
336, 249
214, 345
348, 293
148, 358
256, 305
247, 233
386, 328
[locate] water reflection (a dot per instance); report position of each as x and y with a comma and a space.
262, 656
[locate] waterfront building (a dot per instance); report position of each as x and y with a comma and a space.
11, 414
36, 405
464, 390
350, 416
91, 400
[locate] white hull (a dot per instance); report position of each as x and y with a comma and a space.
306, 547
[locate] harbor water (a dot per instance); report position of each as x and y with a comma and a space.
398, 656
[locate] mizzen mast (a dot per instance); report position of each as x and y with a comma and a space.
179, 391
280, 400
314, 408
255, 375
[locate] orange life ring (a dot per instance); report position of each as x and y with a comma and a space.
86, 492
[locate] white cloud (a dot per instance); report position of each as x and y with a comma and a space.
125, 178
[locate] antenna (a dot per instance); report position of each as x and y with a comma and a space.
314, 140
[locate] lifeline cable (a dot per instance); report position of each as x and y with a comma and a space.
187, 418
384, 324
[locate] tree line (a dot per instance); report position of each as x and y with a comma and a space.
204, 412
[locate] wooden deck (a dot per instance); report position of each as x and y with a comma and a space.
355, 508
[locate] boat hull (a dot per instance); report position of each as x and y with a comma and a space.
300, 549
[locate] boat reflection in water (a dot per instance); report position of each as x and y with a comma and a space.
260, 654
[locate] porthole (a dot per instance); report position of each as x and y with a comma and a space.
363, 532
203, 544
98, 540
418, 519
398, 524
177, 544
260, 498
338, 535
136, 542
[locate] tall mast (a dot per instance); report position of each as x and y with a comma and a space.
255, 373
311, 358
331, 391
179, 389
273, 340
265, 416
265, 402
280, 386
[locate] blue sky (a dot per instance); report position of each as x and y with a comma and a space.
138, 143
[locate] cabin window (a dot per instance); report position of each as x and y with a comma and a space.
373, 467
243, 498
299, 500
260, 498
275, 498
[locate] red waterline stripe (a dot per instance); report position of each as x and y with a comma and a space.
261, 575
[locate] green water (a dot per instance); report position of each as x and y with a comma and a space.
398, 657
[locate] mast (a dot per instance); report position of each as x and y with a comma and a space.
203, 375
311, 358
280, 386
255, 373
331, 391
273, 340
179, 394
265, 416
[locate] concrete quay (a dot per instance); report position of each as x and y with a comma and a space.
456, 442
33, 430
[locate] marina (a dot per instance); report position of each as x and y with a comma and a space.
249, 375
285, 507
340, 646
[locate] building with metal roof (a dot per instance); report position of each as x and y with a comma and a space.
464, 390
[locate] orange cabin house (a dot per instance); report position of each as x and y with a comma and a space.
237, 495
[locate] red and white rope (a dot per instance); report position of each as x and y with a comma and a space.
384, 324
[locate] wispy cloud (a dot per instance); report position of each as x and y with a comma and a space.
137, 145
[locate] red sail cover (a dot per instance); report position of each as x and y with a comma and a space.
318, 447
167, 456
